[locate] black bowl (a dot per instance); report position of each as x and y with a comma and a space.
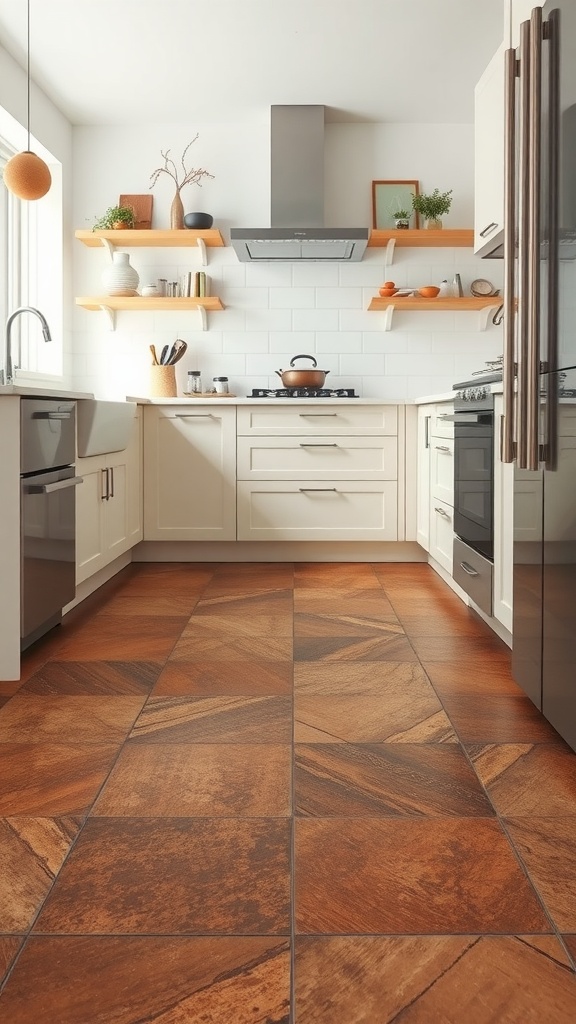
198, 220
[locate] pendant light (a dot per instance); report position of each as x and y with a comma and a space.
26, 174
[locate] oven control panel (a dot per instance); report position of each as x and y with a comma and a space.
474, 394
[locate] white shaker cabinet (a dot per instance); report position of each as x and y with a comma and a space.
489, 153
318, 472
425, 413
189, 472
109, 505
435, 498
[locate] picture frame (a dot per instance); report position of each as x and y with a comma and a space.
142, 206
389, 196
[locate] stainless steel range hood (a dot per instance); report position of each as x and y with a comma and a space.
297, 231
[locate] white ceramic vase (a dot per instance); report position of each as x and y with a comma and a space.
120, 278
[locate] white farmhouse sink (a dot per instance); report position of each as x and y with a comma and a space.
103, 427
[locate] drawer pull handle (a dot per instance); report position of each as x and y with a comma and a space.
488, 228
304, 490
317, 413
443, 448
468, 569
331, 444
193, 415
441, 512
444, 416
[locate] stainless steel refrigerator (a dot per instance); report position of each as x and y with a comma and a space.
539, 428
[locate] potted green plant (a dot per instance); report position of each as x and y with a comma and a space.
116, 218
432, 207
401, 219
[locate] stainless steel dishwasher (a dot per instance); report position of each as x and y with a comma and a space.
47, 513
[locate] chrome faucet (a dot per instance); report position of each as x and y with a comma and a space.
9, 364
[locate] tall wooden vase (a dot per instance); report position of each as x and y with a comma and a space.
177, 213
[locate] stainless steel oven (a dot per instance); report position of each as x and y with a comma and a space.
48, 511
474, 493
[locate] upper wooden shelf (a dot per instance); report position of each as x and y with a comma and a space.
210, 302
409, 302
420, 237
152, 238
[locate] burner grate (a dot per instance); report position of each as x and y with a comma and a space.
303, 393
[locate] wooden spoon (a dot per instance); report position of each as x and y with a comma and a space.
154, 356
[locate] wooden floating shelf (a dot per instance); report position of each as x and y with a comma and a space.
421, 237
141, 302
153, 238
407, 302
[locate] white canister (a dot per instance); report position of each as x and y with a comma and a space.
120, 278
149, 290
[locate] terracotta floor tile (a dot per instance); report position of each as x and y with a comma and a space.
173, 605
525, 780
203, 780
218, 626
225, 677
349, 780
8, 689
60, 979
372, 603
275, 602
52, 779
428, 979
362, 679
31, 718
94, 678
434, 876
254, 648
485, 679
548, 848
111, 638
9, 946
497, 719
346, 719
447, 623
392, 646
173, 876
308, 624
32, 851
214, 720
570, 941
465, 648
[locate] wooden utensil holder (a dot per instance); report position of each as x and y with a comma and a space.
163, 382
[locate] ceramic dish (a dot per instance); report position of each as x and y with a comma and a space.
480, 287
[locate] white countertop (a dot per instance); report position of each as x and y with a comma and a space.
267, 401
41, 392
448, 396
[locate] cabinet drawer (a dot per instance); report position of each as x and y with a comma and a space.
318, 510
442, 469
440, 426
473, 573
442, 533
307, 458
322, 419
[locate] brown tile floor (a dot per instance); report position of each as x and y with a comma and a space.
277, 794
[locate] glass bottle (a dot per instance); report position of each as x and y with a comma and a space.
194, 383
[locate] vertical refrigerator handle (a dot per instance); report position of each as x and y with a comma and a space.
551, 32
507, 451
533, 297
523, 260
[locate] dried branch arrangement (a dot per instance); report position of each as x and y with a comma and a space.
193, 176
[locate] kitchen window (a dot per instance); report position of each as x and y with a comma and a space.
31, 272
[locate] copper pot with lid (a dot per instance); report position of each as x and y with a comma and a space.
297, 378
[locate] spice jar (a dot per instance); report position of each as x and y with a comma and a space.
194, 383
220, 385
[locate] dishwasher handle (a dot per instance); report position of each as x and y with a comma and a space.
58, 485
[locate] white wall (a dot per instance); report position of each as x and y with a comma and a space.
275, 311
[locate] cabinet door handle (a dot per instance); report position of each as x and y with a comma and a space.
330, 444
317, 413
441, 512
488, 229
468, 569
193, 415
111, 481
106, 477
304, 490
443, 448
427, 431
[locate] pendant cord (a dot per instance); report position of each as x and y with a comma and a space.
28, 70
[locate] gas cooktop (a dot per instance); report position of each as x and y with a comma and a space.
303, 393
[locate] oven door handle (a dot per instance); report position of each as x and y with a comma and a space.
58, 485
472, 417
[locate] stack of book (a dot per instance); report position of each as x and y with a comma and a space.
194, 285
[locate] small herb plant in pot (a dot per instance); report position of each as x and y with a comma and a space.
432, 207
116, 218
401, 219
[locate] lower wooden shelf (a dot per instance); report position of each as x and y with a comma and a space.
416, 304
111, 304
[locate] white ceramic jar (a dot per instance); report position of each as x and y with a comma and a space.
120, 278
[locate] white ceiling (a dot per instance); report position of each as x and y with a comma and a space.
161, 61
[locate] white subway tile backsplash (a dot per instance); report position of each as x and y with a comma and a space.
310, 275
360, 320
298, 341
361, 275
315, 319
253, 341
269, 275
268, 319
246, 298
426, 363
389, 388
267, 364
291, 298
338, 341
420, 387
362, 365
339, 298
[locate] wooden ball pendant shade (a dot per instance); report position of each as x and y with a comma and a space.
27, 176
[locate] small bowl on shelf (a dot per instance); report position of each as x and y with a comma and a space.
200, 221
430, 291
387, 293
